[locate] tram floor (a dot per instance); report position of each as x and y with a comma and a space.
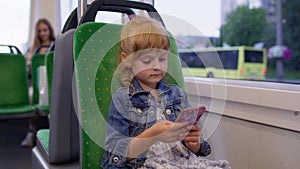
12, 154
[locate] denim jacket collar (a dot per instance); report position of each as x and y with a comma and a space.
161, 87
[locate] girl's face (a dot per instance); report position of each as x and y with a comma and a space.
43, 32
150, 67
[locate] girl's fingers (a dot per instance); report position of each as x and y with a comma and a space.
178, 128
192, 143
194, 128
192, 139
193, 135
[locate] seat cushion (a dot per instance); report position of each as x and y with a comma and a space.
16, 109
43, 137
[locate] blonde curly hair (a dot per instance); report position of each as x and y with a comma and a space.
139, 34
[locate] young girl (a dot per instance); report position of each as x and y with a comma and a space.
141, 129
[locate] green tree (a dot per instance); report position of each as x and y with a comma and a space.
291, 33
245, 26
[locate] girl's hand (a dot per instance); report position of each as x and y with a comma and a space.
192, 139
168, 132
164, 131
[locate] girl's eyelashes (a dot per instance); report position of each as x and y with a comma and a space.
148, 61
148, 58
163, 58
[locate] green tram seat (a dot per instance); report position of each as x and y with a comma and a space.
43, 134
96, 49
37, 61
49, 58
14, 95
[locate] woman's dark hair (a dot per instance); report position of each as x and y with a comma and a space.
46, 22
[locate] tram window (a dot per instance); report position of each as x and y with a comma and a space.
189, 23
109, 17
14, 16
4, 49
191, 59
220, 59
229, 59
210, 59
253, 56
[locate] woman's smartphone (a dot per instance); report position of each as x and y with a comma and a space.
190, 115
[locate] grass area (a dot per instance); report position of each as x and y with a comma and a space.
288, 74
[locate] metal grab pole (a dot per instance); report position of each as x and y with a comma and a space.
82, 4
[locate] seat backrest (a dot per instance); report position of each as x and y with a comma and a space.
96, 49
37, 61
49, 69
60, 143
14, 95
13, 80
64, 135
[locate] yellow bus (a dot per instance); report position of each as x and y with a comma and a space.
238, 62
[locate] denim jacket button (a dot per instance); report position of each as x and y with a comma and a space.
139, 110
151, 112
168, 111
116, 159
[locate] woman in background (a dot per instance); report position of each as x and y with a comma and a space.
43, 39
43, 42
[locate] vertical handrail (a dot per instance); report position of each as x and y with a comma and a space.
82, 5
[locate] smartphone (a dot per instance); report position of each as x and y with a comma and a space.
190, 115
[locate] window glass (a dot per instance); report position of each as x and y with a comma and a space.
198, 24
66, 7
229, 59
253, 56
109, 17
14, 16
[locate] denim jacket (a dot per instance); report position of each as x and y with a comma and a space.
132, 111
